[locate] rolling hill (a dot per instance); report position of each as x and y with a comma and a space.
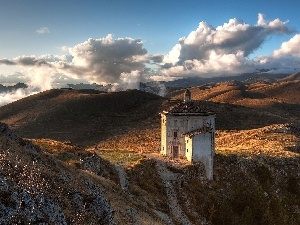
84, 117
79, 147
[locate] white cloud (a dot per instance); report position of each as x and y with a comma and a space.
261, 20
121, 62
8, 79
128, 81
162, 77
38, 79
104, 60
286, 59
9, 97
43, 30
209, 51
289, 48
173, 55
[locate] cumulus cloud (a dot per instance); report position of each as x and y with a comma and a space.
101, 60
224, 49
12, 78
43, 30
289, 48
128, 81
7, 62
44, 60
9, 97
105, 59
38, 79
121, 62
286, 59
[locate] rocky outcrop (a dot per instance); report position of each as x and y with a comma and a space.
38, 189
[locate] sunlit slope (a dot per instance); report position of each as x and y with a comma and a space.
281, 98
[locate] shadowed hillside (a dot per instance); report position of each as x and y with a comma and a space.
279, 100
80, 117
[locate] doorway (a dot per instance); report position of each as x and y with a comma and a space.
175, 151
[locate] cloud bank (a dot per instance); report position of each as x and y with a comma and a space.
210, 51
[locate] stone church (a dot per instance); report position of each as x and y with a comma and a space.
188, 130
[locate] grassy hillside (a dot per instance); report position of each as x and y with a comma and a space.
82, 143
80, 117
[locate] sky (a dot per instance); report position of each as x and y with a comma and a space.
50, 43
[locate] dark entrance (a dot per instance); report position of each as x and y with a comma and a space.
175, 151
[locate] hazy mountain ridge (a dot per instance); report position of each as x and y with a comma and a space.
246, 78
15, 87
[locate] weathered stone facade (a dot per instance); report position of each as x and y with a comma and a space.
188, 130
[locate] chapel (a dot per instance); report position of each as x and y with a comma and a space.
188, 130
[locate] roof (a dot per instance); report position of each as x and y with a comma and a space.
188, 108
194, 133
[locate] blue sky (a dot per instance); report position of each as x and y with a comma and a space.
158, 23
48, 43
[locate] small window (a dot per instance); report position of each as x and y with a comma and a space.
187, 150
187, 141
175, 134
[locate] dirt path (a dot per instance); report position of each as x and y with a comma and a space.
167, 177
122, 177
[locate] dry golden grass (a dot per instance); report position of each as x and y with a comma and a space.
147, 140
254, 103
265, 141
63, 151
228, 97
